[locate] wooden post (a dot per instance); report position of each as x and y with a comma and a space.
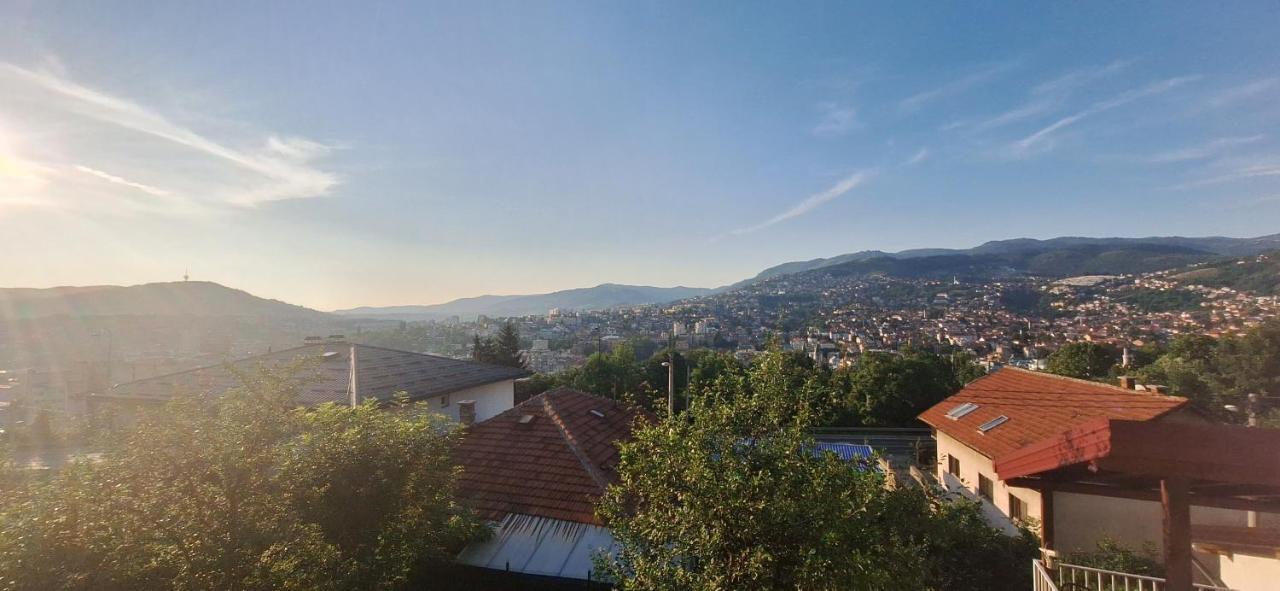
1046, 525
1177, 534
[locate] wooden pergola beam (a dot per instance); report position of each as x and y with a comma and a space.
1265, 505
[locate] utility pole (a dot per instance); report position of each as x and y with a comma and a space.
1251, 518
671, 380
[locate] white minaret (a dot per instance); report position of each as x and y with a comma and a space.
1125, 358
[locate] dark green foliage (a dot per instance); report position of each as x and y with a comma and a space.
1213, 373
730, 496
1082, 360
1112, 555
501, 349
881, 389
888, 390
242, 492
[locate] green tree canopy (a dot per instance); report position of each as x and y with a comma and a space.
731, 496
1082, 360
891, 389
241, 491
500, 349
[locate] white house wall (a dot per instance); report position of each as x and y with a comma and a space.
491, 399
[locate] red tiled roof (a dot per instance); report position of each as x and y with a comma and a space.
555, 465
1038, 405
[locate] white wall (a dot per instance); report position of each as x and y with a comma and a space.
491, 399
972, 464
1082, 520
1249, 573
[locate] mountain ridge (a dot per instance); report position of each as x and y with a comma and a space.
1212, 245
176, 298
605, 295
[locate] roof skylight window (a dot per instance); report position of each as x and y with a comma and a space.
992, 424
961, 410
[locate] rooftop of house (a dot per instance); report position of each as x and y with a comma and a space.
551, 456
324, 370
1035, 405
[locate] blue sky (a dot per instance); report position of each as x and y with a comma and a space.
351, 154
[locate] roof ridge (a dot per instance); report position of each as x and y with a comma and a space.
434, 356
1115, 387
222, 364
572, 443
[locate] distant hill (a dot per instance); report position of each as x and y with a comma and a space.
1063, 261
1258, 274
1062, 256
603, 296
186, 298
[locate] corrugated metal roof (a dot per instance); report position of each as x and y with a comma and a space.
540, 546
845, 451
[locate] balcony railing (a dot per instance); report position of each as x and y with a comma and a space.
1073, 577
1041, 580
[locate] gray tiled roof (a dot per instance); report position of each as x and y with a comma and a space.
326, 377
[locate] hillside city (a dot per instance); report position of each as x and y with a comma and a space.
1013, 321
571, 295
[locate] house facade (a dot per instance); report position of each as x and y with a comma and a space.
1011, 408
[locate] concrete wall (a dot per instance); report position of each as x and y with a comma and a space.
491, 399
1249, 573
1082, 520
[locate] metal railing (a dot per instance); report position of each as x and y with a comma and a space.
1041, 580
1073, 577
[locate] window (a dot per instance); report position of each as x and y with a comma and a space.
444, 401
961, 410
992, 424
986, 488
1017, 508
953, 465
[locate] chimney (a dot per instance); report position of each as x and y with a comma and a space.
1128, 382
467, 412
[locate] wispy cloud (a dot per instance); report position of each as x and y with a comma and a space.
134, 142
811, 202
1206, 150
837, 119
1045, 98
957, 86
1246, 91
111, 178
1021, 113
1233, 170
1041, 140
917, 158
1078, 78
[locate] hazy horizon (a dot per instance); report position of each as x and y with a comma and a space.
336, 157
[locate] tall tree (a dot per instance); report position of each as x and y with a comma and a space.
501, 349
1082, 360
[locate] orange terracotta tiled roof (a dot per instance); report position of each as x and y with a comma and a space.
1039, 405
551, 456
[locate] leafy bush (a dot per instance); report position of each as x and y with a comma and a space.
242, 491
